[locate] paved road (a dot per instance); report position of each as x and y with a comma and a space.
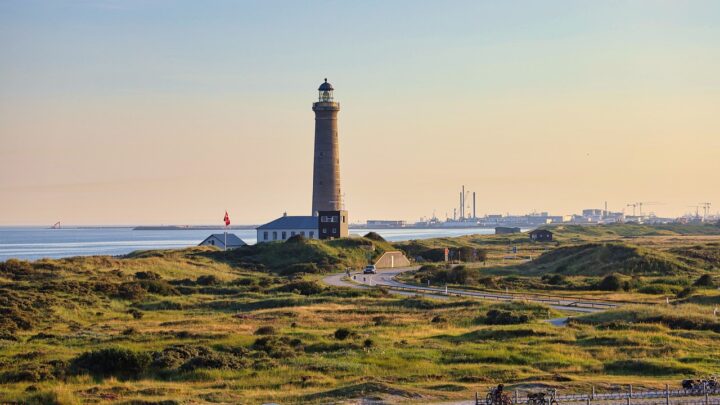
386, 278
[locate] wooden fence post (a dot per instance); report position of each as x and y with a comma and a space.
667, 394
516, 397
630, 391
476, 399
592, 396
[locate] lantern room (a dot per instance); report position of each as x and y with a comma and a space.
326, 92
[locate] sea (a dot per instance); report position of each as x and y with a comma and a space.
32, 243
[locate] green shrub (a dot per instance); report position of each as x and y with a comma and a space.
212, 360
208, 280
686, 292
343, 333
611, 282
265, 330
147, 275
656, 289
308, 268
500, 317
111, 362
278, 347
705, 280
174, 356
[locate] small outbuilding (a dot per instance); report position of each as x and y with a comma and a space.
218, 239
502, 230
541, 235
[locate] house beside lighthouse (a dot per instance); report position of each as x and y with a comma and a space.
328, 218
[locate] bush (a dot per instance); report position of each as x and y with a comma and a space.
705, 280
147, 275
462, 275
174, 356
212, 360
303, 287
611, 282
368, 343
469, 254
438, 319
278, 347
656, 289
160, 287
265, 330
208, 280
686, 292
309, 268
342, 333
111, 362
500, 317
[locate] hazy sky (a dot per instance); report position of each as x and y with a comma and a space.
150, 112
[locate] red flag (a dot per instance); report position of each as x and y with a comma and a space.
226, 219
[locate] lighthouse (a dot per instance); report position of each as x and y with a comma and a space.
326, 164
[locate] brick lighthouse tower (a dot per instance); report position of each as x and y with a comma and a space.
326, 166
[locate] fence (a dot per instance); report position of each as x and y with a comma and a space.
505, 297
628, 397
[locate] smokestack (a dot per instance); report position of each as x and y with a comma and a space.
462, 202
606, 211
474, 214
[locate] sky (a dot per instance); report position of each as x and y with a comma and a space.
171, 112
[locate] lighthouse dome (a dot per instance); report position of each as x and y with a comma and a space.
326, 86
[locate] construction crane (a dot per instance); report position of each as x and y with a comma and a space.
639, 206
706, 210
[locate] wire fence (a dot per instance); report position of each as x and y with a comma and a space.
707, 396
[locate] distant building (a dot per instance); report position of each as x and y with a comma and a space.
502, 230
332, 224
541, 235
287, 226
218, 239
385, 223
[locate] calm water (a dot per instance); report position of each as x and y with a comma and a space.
35, 243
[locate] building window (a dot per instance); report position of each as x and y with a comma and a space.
292, 233
324, 230
265, 235
212, 242
284, 235
334, 231
274, 235
302, 233
312, 234
343, 219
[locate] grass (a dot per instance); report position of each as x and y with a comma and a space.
190, 337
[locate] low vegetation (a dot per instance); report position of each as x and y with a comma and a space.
255, 325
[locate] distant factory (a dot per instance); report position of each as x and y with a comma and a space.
464, 215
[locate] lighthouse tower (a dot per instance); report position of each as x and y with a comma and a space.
326, 166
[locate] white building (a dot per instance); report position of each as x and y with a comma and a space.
218, 239
288, 226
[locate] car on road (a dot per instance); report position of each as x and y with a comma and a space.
370, 269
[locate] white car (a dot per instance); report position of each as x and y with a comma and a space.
370, 269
